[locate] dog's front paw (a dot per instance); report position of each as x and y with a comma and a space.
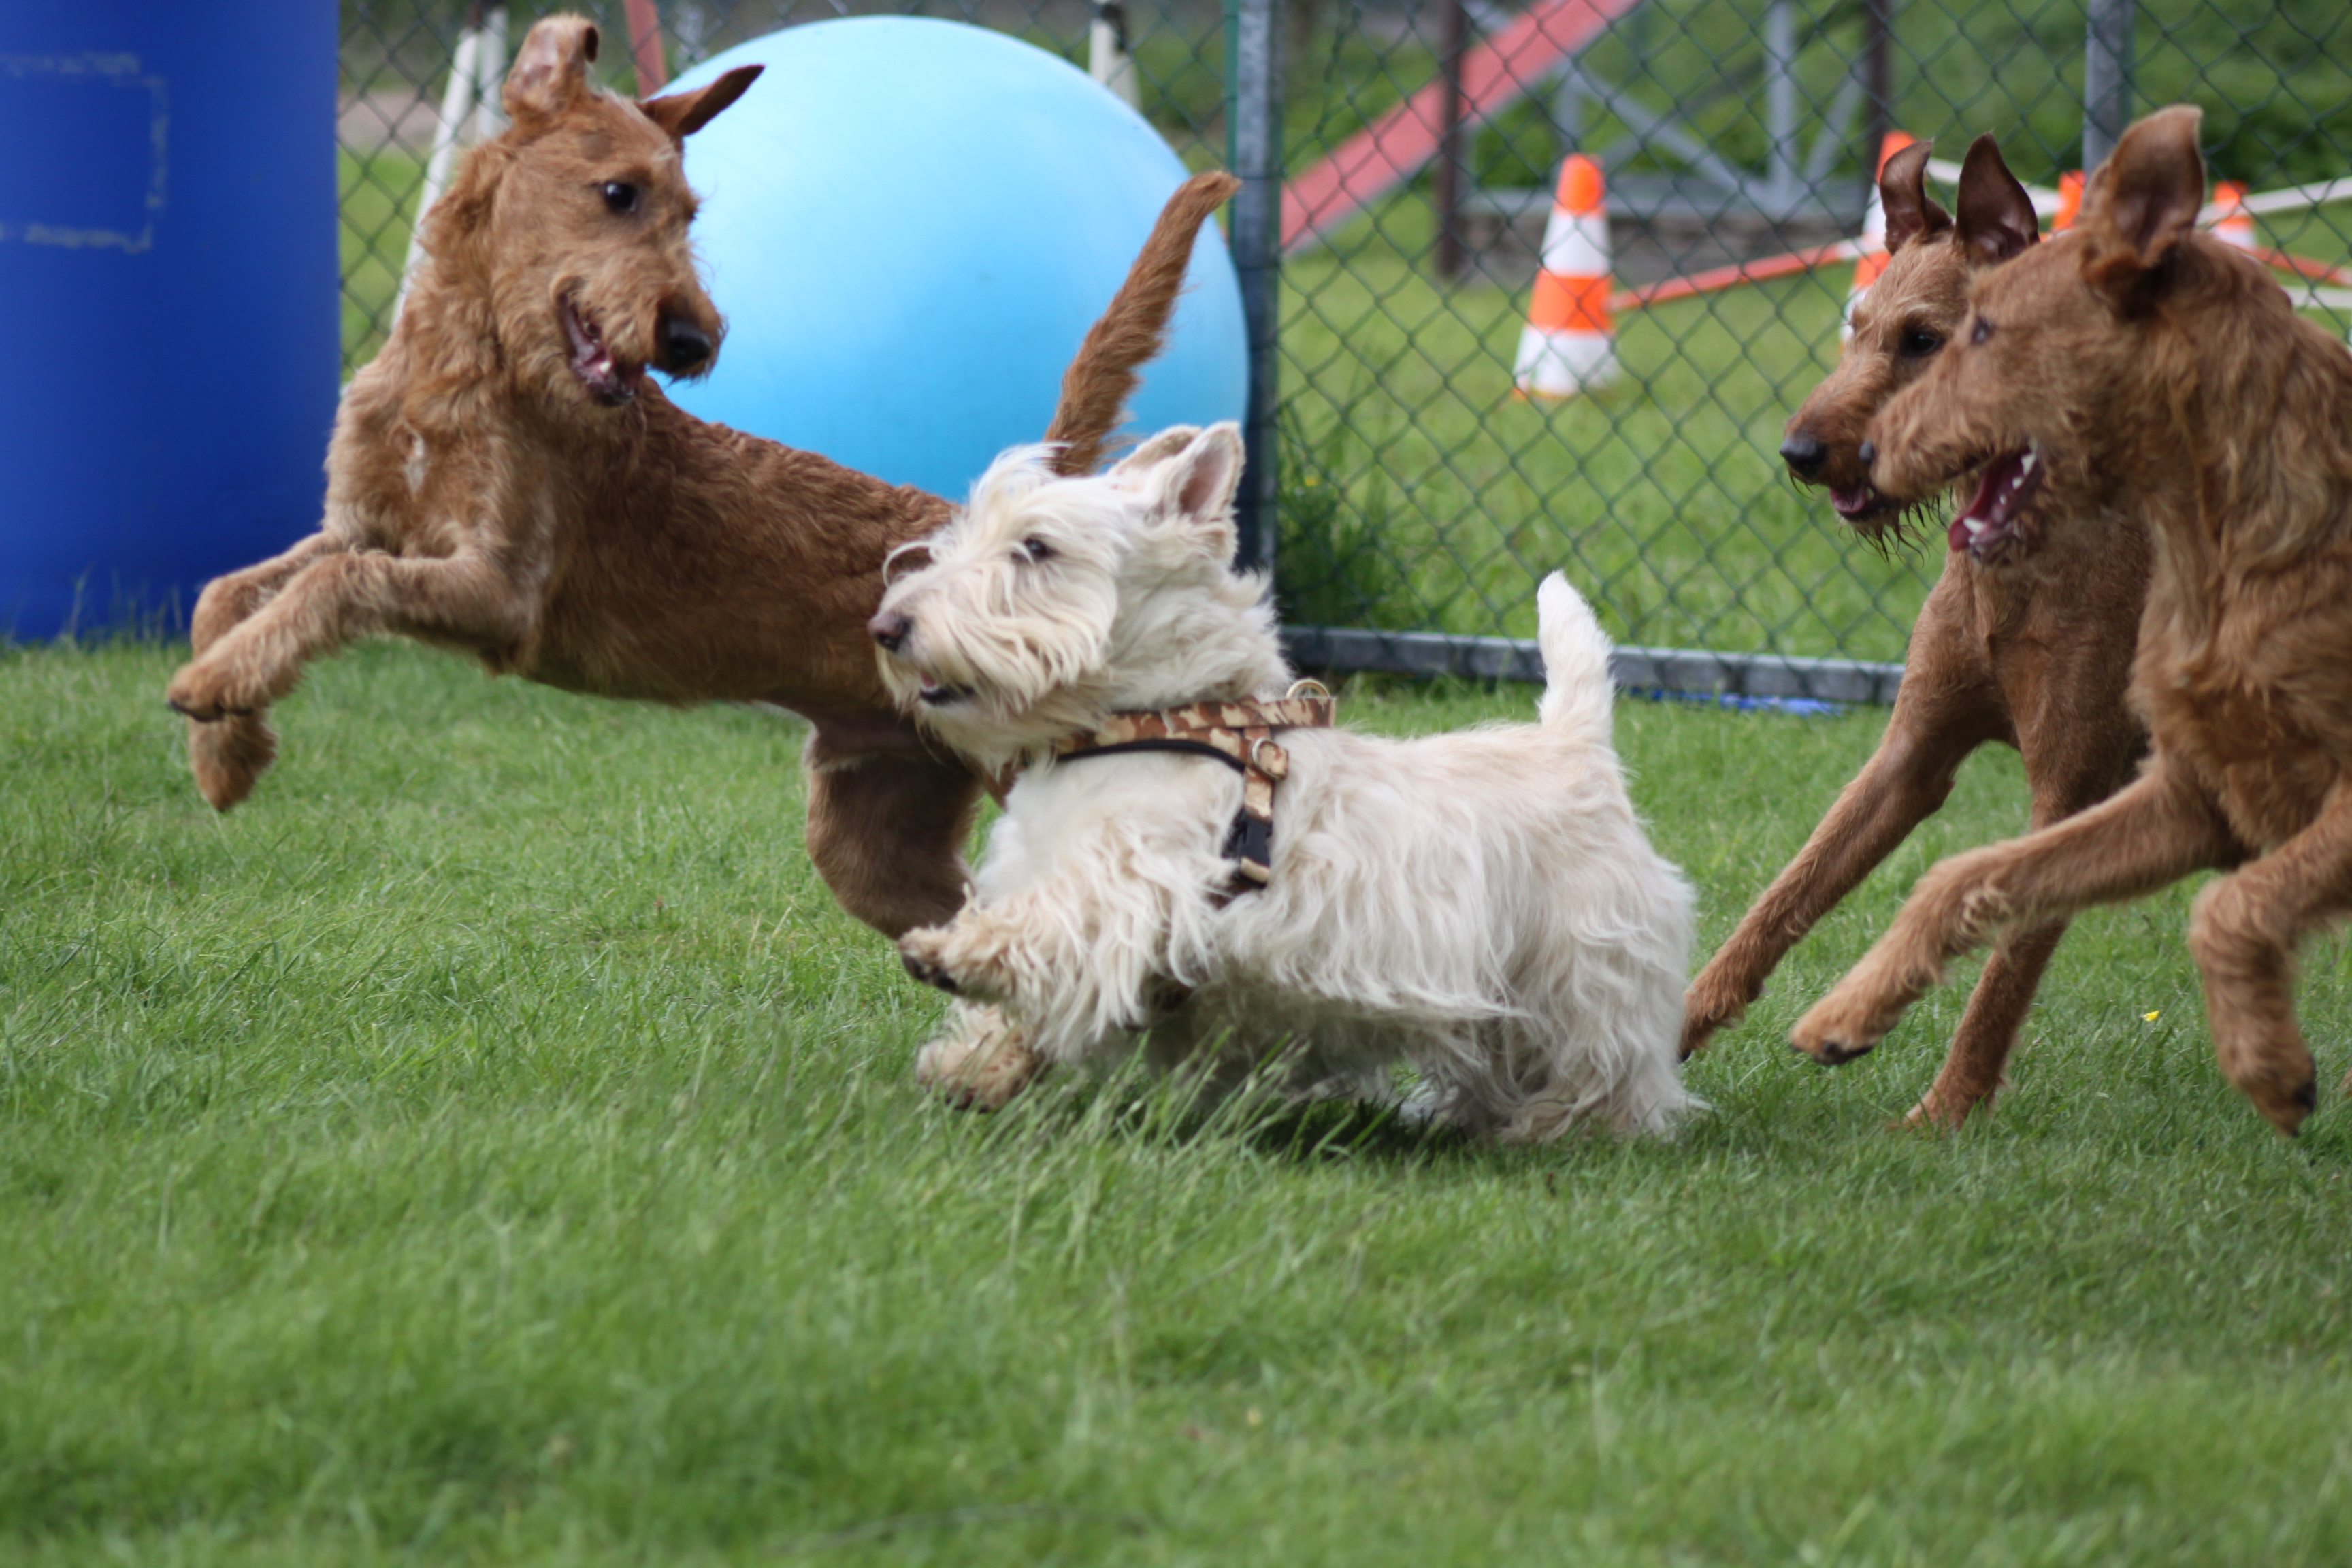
924, 971
2283, 1089
1711, 1004
229, 755
1837, 1029
210, 690
924, 952
982, 1068
951, 958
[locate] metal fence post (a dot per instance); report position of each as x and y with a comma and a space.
2106, 76
1253, 97
1782, 155
1446, 180
1878, 77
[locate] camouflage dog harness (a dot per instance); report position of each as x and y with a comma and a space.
1239, 734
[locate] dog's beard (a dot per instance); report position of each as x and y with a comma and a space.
1909, 526
998, 666
998, 732
1888, 526
997, 701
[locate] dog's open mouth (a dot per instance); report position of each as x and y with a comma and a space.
607, 380
939, 694
1988, 525
1860, 503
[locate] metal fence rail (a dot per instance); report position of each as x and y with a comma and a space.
1399, 162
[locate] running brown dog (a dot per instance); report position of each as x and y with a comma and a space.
505, 480
2025, 647
2138, 375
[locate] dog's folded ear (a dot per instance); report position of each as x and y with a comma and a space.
551, 69
1911, 213
2143, 199
684, 113
1997, 217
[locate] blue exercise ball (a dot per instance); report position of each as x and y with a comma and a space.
909, 225
167, 260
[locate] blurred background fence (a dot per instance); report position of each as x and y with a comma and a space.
1407, 497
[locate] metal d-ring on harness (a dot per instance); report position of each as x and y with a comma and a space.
1239, 734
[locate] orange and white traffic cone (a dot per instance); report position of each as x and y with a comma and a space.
2070, 201
1873, 259
2236, 225
1569, 344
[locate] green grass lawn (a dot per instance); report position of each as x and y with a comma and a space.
489, 1144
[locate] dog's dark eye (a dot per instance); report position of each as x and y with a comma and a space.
1035, 550
1918, 342
1983, 330
621, 196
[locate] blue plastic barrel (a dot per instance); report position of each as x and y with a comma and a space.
167, 299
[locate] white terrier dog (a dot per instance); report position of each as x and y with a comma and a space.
1483, 906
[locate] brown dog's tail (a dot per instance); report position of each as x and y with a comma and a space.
1100, 380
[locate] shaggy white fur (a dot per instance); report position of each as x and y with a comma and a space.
1483, 906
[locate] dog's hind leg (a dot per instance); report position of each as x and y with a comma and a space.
2074, 760
2243, 932
981, 1061
1946, 708
1980, 1049
466, 600
230, 753
886, 830
2152, 834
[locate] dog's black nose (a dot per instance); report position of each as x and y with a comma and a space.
1804, 453
1869, 454
685, 346
889, 628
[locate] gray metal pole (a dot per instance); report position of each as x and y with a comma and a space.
2106, 76
1781, 156
1254, 33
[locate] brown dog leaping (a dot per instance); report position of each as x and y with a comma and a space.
2028, 648
505, 480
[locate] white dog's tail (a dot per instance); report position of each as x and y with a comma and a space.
1577, 689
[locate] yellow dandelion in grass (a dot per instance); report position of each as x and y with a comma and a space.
2152, 1018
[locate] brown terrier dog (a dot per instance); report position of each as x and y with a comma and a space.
505, 480
2030, 649
2137, 374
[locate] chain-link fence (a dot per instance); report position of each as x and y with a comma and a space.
1417, 492
1404, 485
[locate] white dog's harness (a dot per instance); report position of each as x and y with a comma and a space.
1239, 734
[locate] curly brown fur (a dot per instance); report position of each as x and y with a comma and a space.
506, 481
2166, 389
2030, 649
